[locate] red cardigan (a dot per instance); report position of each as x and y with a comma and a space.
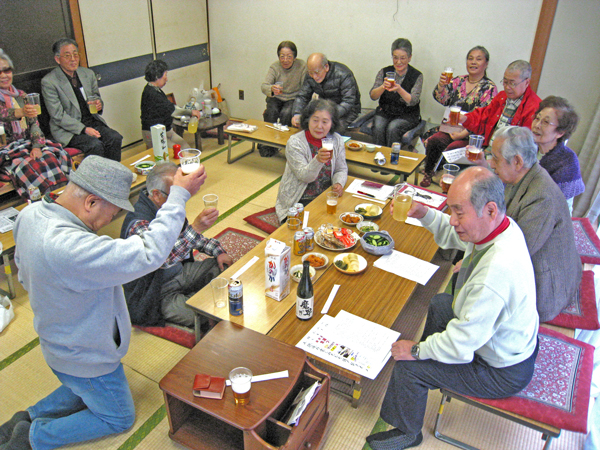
482, 121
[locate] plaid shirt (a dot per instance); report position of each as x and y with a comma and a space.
187, 241
24, 171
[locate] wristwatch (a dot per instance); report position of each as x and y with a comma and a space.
414, 351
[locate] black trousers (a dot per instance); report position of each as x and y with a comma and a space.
406, 397
278, 109
107, 146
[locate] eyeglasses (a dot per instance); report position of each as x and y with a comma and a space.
6, 71
286, 57
545, 123
511, 83
163, 193
401, 59
69, 56
315, 72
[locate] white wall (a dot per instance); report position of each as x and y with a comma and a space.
120, 29
244, 36
572, 62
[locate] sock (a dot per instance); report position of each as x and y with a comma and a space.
20, 437
6, 429
393, 439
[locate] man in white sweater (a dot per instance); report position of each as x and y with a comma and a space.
482, 340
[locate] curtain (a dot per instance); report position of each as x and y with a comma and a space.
588, 203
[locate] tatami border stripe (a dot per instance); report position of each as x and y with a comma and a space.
140, 434
218, 152
21, 352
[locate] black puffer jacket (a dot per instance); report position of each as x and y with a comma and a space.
339, 86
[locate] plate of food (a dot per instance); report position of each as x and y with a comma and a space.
316, 260
369, 211
350, 218
365, 226
354, 146
144, 167
350, 263
336, 239
296, 272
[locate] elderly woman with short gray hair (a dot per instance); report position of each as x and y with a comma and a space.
157, 109
398, 110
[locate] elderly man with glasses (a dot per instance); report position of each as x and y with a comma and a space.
516, 105
161, 295
333, 81
73, 101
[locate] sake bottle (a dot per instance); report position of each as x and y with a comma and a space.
305, 297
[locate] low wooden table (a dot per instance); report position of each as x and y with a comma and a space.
204, 124
407, 162
375, 295
202, 423
264, 135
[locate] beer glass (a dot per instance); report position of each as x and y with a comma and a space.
293, 223
241, 382
448, 74
91, 101
450, 172
220, 293
189, 160
332, 200
390, 77
454, 118
34, 99
403, 198
475, 147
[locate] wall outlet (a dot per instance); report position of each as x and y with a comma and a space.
241, 94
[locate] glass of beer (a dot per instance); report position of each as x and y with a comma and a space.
403, 198
34, 99
448, 72
390, 77
450, 172
193, 125
454, 118
241, 382
91, 101
189, 160
332, 200
475, 147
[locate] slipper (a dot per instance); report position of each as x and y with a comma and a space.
426, 181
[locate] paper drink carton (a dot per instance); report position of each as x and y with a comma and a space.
277, 269
159, 142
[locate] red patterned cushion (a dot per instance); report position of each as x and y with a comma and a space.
586, 240
582, 312
266, 220
72, 151
171, 333
559, 392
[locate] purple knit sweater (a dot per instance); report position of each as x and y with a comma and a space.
563, 166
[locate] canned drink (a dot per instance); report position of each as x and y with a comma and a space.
309, 243
293, 212
299, 243
395, 155
236, 298
34, 193
300, 208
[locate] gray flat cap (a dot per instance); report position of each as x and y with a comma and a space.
108, 179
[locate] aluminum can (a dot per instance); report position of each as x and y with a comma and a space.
34, 193
309, 243
299, 243
293, 212
300, 208
395, 155
236, 298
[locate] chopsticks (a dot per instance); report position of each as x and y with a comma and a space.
139, 160
362, 197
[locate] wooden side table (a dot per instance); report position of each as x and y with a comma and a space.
204, 124
201, 423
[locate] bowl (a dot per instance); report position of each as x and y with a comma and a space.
299, 267
374, 249
354, 146
360, 209
144, 167
357, 218
366, 223
370, 148
318, 255
362, 264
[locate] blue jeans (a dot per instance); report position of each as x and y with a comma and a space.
82, 409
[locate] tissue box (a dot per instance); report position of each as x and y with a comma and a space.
277, 269
159, 143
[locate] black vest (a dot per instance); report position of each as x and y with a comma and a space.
391, 104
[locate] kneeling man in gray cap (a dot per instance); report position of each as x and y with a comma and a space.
73, 278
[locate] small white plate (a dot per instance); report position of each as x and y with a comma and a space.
367, 216
299, 267
362, 264
320, 255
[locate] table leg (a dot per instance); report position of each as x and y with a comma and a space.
198, 140
356, 391
220, 134
197, 324
230, 160
9, 278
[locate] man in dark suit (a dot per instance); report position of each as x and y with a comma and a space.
73, 101
538, 206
